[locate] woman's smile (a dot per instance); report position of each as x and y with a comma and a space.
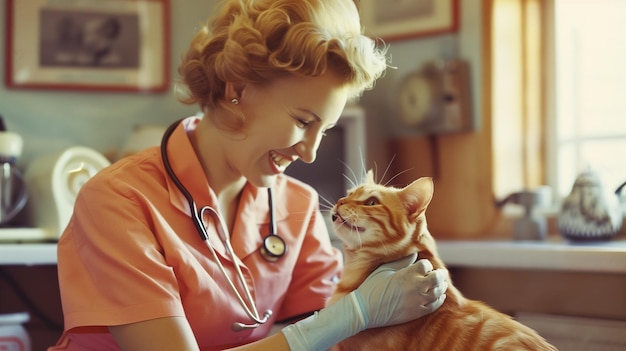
279, 161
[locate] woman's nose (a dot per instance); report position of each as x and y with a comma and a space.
307, 149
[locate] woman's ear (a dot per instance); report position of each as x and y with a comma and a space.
233, 90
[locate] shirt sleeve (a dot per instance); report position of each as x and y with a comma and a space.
109, 243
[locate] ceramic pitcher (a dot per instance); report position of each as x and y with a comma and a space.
590, 211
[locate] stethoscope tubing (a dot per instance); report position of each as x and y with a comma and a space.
197, 214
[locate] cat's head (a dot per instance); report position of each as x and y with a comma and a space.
383, 219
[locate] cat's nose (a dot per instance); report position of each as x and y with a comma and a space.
334, 217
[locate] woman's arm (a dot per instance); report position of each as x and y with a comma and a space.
392, 294
174, 333
169, 333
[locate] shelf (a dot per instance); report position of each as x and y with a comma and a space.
28, 254
555, 254
25, 246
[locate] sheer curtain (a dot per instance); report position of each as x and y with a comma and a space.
518, 95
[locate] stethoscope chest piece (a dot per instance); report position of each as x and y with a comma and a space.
273, 248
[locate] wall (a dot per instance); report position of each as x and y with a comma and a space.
53, 120
459, 163
50, 121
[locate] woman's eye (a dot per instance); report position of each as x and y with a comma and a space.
303, 122
371, 201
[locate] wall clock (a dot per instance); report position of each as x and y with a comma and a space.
415, 97
435, 99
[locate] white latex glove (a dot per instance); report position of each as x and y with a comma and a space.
389, 294
395, 293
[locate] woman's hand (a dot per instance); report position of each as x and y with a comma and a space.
394, 293
399, 291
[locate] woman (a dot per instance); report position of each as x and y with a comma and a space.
142, 267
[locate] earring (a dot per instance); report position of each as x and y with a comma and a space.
235, 101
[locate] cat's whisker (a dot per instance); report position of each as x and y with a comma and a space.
363, 168
387, 169
353, 184
352, 181
326, 211
326, 202
397, 175
325, 208
359, 238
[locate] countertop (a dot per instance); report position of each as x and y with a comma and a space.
552, 254
23, 246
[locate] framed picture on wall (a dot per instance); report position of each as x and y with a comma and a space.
87, 45
405, 19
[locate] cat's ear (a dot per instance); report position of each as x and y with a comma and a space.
417, 196
369, 177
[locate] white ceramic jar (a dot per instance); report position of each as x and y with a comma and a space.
590, 212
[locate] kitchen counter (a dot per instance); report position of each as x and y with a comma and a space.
23, 246
553, 254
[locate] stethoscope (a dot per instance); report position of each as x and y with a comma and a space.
274, 247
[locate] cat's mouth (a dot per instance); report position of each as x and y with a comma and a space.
340, 221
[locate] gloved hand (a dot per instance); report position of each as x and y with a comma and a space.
388, 294
392, 294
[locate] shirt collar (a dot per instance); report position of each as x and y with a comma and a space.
253, 208
186, 167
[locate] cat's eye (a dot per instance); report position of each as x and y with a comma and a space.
371, 201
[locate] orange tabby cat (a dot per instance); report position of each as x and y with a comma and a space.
378, 224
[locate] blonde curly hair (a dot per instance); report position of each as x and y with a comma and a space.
257, 41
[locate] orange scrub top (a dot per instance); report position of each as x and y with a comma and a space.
131, 253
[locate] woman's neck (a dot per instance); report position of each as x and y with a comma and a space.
225, 183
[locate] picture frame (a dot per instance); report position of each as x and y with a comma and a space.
406, 19
87, 45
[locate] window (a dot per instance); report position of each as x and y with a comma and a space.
559, 93
589, 91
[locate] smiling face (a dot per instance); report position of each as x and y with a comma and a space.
286, 121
